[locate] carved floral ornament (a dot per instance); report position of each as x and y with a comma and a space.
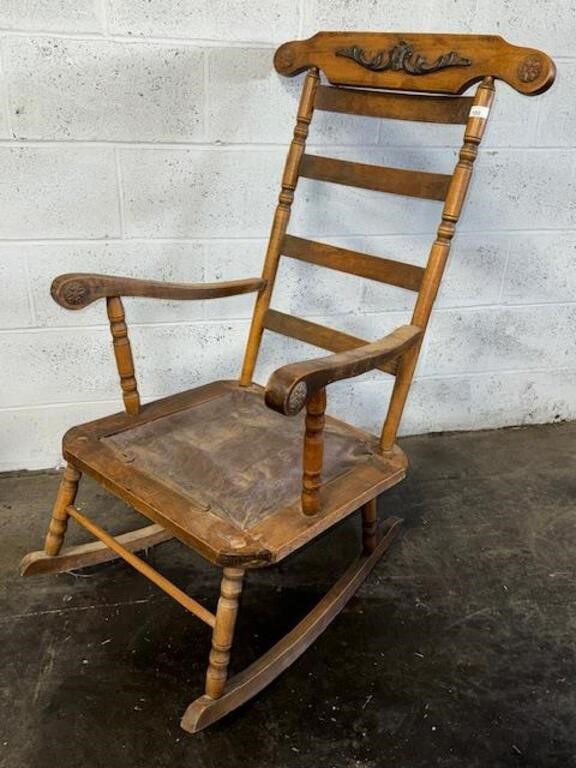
402, 57
297, 398
529, 69
74, 293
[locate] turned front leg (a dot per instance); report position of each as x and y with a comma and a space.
59, 520
223, 634
370, 526
313, 452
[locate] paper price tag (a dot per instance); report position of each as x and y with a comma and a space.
481, 112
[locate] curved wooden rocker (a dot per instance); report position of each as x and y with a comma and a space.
94, 553
247, 475
242, 687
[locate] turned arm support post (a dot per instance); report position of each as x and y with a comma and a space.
78, 290
294, 386
313, 454
123, 354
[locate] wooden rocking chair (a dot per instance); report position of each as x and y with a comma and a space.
246, 475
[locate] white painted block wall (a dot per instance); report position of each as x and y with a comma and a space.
146, 138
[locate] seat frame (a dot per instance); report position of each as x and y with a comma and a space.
398, 76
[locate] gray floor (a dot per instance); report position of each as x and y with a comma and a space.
458, 651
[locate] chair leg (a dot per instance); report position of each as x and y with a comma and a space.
59, 521
246, 684
223, 633
370, 526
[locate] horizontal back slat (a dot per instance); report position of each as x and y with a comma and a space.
316, 335
353, 262
395, 106
398, 181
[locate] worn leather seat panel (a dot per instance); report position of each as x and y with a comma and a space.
233, 456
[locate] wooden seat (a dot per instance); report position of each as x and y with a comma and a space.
222, 471
246, 474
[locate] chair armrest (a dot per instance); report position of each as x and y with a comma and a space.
290, 387
77, 290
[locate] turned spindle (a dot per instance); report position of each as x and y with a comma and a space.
281, 219
313, 452
223, 634
369, 526
59, 520
439, 252
123, 354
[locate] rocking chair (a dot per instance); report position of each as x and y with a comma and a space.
247, 475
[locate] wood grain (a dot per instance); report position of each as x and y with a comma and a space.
395, 106
359, 65
288, 529
219, 540
527, 70
93, 553
313, 453
244, 686
370, 526
319, 372
318, 335
146, 570
223, 634
397, 181
59, 520
280, 222
382, 270
437, 259
123, 354
78, 290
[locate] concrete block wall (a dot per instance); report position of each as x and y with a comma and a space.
146, 138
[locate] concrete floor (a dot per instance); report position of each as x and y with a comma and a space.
458, 651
